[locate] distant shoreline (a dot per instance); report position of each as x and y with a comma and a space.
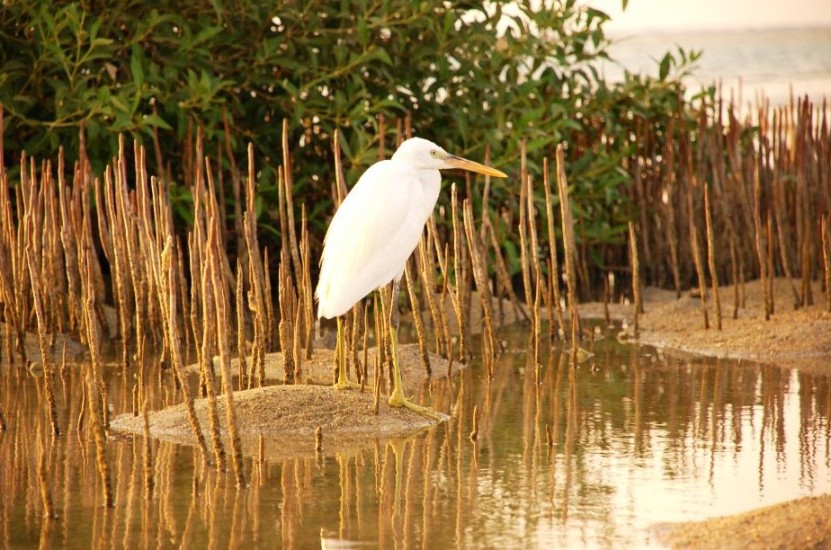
627, 32
776, 62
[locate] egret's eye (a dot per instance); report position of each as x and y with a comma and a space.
434, 153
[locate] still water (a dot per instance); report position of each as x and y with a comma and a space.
574, 457
773, 61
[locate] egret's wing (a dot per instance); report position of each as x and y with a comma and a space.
374, 231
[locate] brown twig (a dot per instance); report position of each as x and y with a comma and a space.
711, 256
636, 278
570, 251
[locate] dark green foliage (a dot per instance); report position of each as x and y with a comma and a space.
468, 77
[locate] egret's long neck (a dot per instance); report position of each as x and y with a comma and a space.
430, 179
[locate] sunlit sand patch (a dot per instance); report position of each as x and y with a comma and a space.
799, 338
287, 416
800, 523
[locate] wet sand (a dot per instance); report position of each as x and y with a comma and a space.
797, 524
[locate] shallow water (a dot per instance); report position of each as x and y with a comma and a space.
637, 438
776, 61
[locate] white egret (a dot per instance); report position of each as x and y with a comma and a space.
374, 232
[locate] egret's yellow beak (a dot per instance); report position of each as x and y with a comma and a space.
458, 162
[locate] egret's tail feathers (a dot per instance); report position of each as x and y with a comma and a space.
326, 308
320, 297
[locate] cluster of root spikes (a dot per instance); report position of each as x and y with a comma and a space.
98, 258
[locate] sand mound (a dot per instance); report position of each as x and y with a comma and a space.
799, 338
287, 417
792, 338
796, 524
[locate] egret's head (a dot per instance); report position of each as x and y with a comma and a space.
421, 153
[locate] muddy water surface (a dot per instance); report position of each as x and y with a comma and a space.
593, 455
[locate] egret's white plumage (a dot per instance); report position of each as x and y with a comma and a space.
377, 227
380, 221
375, 230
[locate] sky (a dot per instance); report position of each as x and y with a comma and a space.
675, 15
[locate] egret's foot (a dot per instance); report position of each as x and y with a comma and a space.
346, 384
397, 399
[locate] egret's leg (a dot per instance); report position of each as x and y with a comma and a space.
397, 398
343, 382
